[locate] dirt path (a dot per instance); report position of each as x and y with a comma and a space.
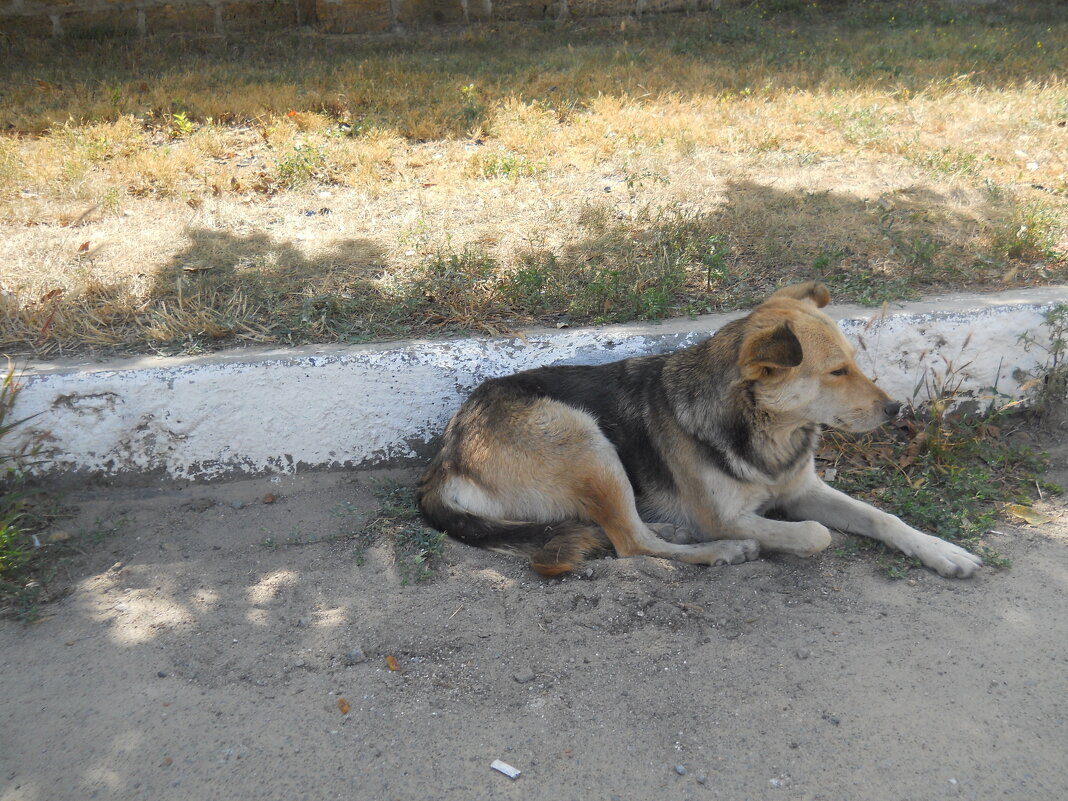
203, 655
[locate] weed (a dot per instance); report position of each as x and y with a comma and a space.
1049, 387
635, 179
181, 125
503, 165
459, 287
949, 475
897, 571
865, 126
1031, 233
472, 109
18, 518
714, 260
949, 162
530, 287
864, 286
300, 166
415, 546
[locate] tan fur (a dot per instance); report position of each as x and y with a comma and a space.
675, 456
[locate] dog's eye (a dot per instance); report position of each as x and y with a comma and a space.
840, 371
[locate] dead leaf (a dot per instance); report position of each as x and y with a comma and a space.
1028, 514
83, 247
391, 663
50, 295
343, 705
916, 446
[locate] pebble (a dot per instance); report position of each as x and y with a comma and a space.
237, 505
803, 653
680, 769
161, 674
302, 622
524, 675
355, 656
701, 778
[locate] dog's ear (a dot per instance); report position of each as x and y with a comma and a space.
768, 350
812, 291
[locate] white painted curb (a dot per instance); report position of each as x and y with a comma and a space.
267, 411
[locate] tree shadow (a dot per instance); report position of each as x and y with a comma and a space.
670, 261
226, 287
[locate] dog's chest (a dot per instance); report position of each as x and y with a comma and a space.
730, 496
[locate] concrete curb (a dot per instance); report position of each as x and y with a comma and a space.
264, 411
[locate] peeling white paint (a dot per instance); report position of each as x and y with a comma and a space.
280, 411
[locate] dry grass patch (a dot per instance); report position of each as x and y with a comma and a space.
175, 196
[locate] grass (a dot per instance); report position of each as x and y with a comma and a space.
415, 546
179, 195
19, 519
953, 476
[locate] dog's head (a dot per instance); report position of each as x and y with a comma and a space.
802, 367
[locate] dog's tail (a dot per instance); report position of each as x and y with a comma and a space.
553, 548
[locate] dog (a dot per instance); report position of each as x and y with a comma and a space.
680, 455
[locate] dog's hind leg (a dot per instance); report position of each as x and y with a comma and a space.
521, 467
601, 485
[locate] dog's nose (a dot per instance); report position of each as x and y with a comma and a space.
891, 409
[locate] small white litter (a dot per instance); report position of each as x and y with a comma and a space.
505, 768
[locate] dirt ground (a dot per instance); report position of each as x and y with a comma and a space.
204, 654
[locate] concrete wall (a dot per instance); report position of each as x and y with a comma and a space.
283, 411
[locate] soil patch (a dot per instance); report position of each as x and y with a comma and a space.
217, 645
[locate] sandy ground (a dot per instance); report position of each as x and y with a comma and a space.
202, 654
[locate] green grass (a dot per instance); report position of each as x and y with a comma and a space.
415, 545
19, 519
950, 477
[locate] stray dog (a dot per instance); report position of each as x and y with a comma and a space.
678, 455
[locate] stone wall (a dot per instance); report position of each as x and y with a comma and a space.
147, 17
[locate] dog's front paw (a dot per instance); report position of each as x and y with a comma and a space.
732, 552
809, 538
945, 558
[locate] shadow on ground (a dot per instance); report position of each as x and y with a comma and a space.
243, 641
